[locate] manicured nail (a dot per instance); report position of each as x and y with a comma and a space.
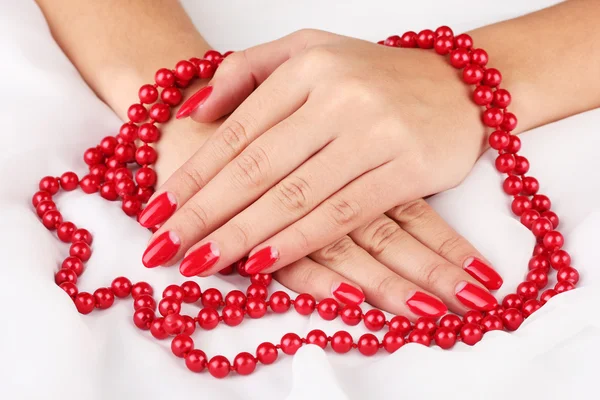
200, 259
158, 210
347, 294
424, 305
483, 273
262, 259
161, 250
194, 102
475, 297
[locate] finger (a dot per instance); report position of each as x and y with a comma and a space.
291, 199
307, 276
241, 72
383, 288
406, 256
424, 224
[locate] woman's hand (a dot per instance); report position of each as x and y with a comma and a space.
338, 132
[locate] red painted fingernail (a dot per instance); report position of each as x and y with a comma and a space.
194, 102
425, 305
161, 250
347, 293
262, 259
200, 259
483, 273
158, 210
475, 297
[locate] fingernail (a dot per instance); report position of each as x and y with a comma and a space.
200, 259
475, 297
483, 273
347, 294
158, 210
161, 250
424, 305
262, 259
194, 102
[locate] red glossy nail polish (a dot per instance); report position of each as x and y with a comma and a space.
483, 273
347, 293
200, 259
194, 102
262, 259
161, 250
158, 210
475, 297
424, 305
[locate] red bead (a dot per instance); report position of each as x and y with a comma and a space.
262, 279
169, 305
512, 300
392, 41
145, 155
131, 205
472, 317
304, 304
232, 315
520, 204
568, 274
530, 185
190, 292
44, 207
541, 226
148, 94
160, 112
479, 57
464, 41
553, 240
257, 290
212, 298
141, 288
93, 156
65, 231
505, 163
89, 184
400, 324
208, 318
244, 363
235, 298
368, 344
425, 39
104, 298
547, 295
472, 75
341, 342
121, 287
530, 306
40, 197
392, 341
228, 270
185, 70
452, 322
144, 194
408, 40
149, 133
551, 215
560, 259
482, 95
444, 31
164, 78
290, 343
317, 337
509, 123
219, 367
112, 162
69, 181
280, 302
84, 302
206, 69
460, 58
70, 288
128, 133
512, 185
125, 153
98, 171
145, 177
328, 309
171, 96
419, 337
182, 345
213, 56
49, 184
143, 318
563, 286
521, 165
174, 324
528, 217
256, 308
65, 275
82, 235
266, 353
125, 187
108, 191
445, 338
539, 261
514, 144
108, 145
157, 330
426, 325
52, 219
512, 319
502, 98
80, 250
351, 314
539, 277
492, 77
196, 361
491, 323
471, 334
190, 325
144, 301
443, 45
541, 202
492, 117
137, 113
527, 290
538, 249
374, 320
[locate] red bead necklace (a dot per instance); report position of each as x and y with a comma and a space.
109, 174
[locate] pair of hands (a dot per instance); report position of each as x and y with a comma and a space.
327, 136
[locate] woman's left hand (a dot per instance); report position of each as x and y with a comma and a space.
338, 131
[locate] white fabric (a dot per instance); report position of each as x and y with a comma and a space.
49, 351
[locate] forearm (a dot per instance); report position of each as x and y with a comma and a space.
549, 60
117, 45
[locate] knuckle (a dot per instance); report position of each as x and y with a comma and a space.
449, 245
293, 194
195, 216
386, 285
433, 274
251, 167
337, 251
234, 137
322, 57
302, 242
192, 178
382, 233
344, 212
308, 275
240, 234
410, 212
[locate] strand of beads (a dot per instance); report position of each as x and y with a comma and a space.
110, 176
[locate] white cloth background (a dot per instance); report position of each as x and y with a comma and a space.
48, 351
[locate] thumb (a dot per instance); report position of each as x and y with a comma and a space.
241, 72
